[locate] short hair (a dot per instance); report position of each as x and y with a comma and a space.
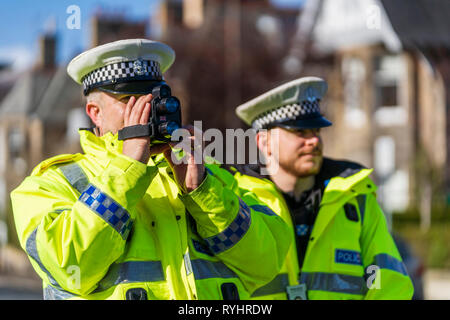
94, 96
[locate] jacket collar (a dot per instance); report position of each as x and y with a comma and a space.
337, 176
342, 182
101, 148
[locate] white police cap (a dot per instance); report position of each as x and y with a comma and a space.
124, 66
292, 105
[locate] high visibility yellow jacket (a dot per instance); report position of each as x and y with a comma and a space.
101, 225
346, 258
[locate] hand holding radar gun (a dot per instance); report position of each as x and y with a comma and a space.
165, 118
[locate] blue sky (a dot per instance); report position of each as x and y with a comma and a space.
22, 21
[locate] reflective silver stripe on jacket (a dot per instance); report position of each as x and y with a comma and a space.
145, 271
118, 273
151, 271
31, 249
130, 272
75, 175
386, 261
52, 293
205, 269
333, 282
277, 285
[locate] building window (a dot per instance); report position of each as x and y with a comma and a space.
384, 161
389, 78
3, 200
353, 74
3, 151
393, 182
176, 10
389, 74
17, 147
387, 94
16, 142
193, 13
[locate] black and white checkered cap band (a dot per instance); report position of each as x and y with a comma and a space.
286, 113
122, 72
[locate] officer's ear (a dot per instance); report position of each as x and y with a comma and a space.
262, 141
93, 107
93, 111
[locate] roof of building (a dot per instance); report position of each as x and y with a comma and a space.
47, 95
26, 93
62, 95
420, 23
399, 24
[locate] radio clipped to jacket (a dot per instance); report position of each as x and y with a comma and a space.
165, 118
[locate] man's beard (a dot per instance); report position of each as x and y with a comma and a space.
290, 167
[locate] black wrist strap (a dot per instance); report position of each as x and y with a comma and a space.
140, 130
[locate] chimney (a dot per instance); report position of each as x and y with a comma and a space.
47, 49
108, 27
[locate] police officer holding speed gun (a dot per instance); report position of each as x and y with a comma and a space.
123, 220
342, 248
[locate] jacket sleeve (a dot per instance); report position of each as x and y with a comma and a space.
385, 273
241, 231
72, 239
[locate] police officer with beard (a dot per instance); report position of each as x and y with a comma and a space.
341, 248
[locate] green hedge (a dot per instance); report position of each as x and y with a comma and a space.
432, 246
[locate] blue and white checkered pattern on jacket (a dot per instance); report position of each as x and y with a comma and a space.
235, 231
109, 210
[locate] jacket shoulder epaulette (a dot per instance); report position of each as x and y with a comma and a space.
59, 159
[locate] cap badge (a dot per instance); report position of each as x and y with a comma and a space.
139, 67
311, 94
